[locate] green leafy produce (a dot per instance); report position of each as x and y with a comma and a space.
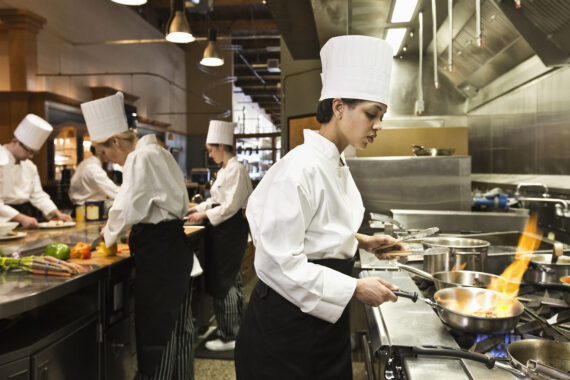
58, 250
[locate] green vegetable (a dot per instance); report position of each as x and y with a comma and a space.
58, 250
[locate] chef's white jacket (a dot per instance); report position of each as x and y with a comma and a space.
307, 207
230, 190
90, 183
153, 190
20, 183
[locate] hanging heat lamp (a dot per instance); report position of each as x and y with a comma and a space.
130, 2
212, 55
178, 28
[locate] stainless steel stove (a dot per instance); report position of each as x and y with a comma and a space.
396, 328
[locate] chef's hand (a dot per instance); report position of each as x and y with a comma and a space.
58, 215
197, 217
26, 221
375, 243
374, 291
192, 211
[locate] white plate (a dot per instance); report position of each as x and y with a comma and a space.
16, 235
48, 225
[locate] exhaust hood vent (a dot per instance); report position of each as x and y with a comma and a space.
545, 25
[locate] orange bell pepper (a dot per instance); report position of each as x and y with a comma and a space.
81, 251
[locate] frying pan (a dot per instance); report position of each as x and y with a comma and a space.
455, 278
455, 308
553, 356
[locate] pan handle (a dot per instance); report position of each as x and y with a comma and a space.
416, 271
455, 353
536, 367
402, 293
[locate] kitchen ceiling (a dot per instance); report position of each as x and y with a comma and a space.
255, 37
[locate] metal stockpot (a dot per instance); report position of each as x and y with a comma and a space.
542, 271
464, 254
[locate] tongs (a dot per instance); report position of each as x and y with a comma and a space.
415, 236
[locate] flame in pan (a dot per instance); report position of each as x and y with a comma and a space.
528, 242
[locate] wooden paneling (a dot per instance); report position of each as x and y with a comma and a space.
296, 126
399, 141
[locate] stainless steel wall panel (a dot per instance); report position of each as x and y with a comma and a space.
421, 183
525, 131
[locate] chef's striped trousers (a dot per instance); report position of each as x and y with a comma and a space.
177, 361
229, 311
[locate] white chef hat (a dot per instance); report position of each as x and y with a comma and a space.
356, 67
105, 117
220, 132
33, 131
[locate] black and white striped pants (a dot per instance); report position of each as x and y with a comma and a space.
177, 361
229, 311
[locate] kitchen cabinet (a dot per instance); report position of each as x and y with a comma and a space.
73, 357
16, 370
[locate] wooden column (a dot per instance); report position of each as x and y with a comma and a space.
22, 27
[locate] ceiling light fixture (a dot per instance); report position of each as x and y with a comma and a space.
394, 37
404, 10
212, 55
129, 2
178, 28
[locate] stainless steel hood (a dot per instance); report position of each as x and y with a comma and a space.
511, 35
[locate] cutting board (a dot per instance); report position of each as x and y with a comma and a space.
101, 260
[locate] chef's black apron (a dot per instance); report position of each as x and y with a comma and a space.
277, 340
29, 209
163, 263
225, 247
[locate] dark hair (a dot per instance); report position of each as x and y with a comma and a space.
227, 148
92, 149
325, 112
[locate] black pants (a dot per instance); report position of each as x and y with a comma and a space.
163, 263
278, 341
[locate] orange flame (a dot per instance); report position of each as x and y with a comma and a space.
528, 242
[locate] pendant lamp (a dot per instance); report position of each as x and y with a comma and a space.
212, 55
178, 28
130, 2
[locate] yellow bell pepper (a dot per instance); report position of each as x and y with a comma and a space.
102, 249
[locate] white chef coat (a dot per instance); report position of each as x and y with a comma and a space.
20, 183
90, 183
307, 207
153, 190
230, 190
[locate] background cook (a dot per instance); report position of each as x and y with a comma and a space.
22, 198
226, 237
90, 182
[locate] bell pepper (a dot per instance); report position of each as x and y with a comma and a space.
81, 251
110, 251
58, 250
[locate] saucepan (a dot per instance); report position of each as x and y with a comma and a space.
543, 271
472, 309
465, 278
468, 254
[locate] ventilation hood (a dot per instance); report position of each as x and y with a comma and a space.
511, 35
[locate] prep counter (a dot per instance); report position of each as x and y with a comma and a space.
70, 327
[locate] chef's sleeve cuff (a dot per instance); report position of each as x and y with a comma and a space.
338, 292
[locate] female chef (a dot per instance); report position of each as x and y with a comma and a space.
226, 238
304, 217
153, 200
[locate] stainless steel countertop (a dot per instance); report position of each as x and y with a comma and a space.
22, 291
